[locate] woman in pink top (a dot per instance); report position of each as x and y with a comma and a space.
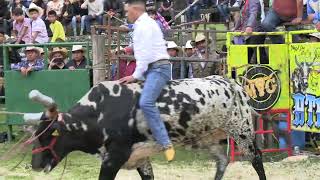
21, 27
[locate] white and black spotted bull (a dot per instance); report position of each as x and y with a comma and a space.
107, 121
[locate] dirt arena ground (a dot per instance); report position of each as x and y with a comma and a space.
293, 168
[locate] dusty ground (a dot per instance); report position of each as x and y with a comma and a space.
296, 168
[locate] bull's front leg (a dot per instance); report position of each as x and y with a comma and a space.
145, 170
117, 154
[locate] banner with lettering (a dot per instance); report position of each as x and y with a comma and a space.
267, 80
305, 86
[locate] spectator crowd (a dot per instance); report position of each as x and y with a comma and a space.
43, 21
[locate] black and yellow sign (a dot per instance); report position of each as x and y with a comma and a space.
263, 86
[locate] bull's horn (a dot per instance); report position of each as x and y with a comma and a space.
37, 96
246, 79
32, 118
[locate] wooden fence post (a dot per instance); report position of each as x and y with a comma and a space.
99, 61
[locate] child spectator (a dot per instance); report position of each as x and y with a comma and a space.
78, 60
31, 63
95, 11
166, 9
55, 5
21, 27
43, 5
67, 13
17, 4
79, 16
56, 27
57, 58
38, 27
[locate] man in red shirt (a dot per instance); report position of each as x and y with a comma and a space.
283, 11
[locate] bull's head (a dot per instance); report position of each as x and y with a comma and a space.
50, 137
305, 69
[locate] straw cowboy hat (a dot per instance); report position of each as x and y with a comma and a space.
62, 51
188, 45
201, 37
34, 6
77, 48
32, 48
173, 45
41, 50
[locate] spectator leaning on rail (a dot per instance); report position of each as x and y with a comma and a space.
38, 27
79, 16
31, 63
282, 11
202, 69
21, 27
58, 58
78, 60
95, 12
56, 27
152, 63
249, 22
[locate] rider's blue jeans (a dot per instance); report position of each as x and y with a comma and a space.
157, 77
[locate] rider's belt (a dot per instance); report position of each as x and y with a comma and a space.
159, 62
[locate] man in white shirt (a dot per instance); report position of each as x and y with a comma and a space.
95, 12
152, 64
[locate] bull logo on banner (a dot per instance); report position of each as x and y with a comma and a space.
263, 86
306, 92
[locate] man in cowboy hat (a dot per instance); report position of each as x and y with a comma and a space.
202, 69
173, 50
188, 49
57, 58
31, 63
38, 27
78, 60
152, 64
189, 52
